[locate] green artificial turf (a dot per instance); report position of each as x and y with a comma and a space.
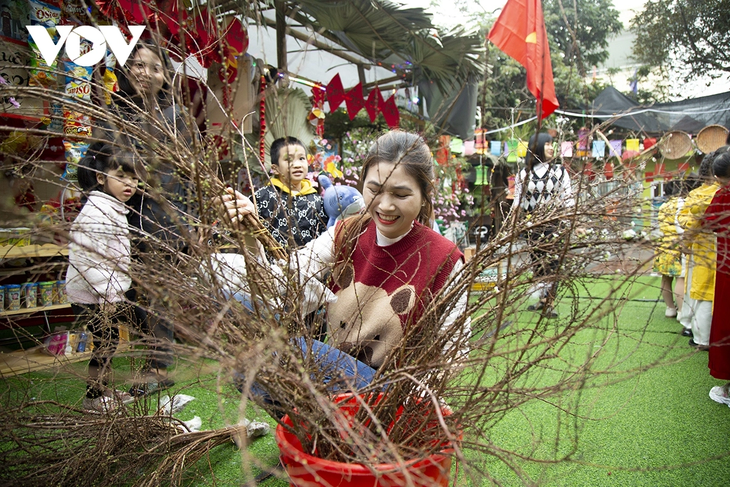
642, 417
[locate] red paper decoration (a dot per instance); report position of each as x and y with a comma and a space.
354, 101
375, 100
390, 112
316, 116
335, 93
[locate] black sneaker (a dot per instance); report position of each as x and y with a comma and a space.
697, 346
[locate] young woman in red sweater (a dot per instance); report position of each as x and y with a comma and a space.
386, 266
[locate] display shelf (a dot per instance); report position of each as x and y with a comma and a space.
38, 309
36, 358
33, 250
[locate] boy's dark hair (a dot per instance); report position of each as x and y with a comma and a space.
102, 157
279, 144
721, 165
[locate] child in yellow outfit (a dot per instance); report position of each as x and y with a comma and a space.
700, 271
668, 260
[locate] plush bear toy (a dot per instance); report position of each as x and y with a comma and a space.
340, 201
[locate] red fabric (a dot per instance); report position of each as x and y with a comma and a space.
442, 153
354, 101
390, 113
520, 33
373, 104
649, 142
335, 93
132, 11
608, 170
717, 217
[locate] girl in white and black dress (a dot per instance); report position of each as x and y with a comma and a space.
547, 184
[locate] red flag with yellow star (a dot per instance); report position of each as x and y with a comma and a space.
520, 33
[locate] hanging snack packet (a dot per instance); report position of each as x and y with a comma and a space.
76, 123
78, 80
111, 84
49, 16
75, 151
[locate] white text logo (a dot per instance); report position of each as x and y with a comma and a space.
99, 37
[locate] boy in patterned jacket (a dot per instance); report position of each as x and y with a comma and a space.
290, 206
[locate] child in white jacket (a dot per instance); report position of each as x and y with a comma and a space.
99, 257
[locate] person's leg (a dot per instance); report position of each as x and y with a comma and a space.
90, 315
687, 310
668, 296
679, 292
105, 338
701, 322
339, 371
157, 333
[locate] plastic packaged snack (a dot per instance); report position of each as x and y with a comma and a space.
75, 151
49, 16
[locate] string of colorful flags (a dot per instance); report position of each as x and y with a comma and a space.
513, 149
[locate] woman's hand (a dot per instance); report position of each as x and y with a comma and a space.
235, 206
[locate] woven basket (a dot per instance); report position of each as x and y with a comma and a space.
711, 138
675, 144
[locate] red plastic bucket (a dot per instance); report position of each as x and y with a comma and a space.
305, 470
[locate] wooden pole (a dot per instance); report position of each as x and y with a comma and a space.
281, 53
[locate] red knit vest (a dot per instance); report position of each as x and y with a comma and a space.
378, 284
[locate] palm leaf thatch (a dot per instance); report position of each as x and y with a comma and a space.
286, 116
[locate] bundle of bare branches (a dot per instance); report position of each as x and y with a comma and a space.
255, 342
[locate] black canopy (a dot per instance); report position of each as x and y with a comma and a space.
687, 115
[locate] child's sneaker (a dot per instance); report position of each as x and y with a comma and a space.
720, 394
671, 313
101, 404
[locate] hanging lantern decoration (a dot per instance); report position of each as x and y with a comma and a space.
316, 115
262, 118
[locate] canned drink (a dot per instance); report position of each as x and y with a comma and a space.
60, 296
30, 294
45, 292
12, 297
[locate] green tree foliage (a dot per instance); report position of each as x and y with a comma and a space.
689, 36
580, 30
